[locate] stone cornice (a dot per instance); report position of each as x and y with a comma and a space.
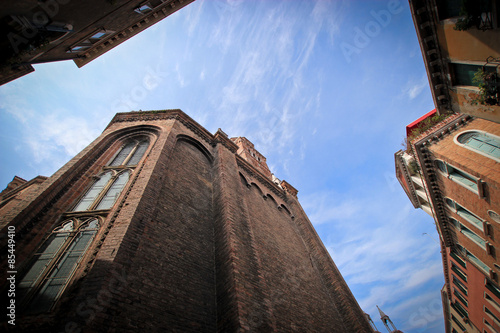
222, 138
248, 168
289, 188
425, 18
441, 130
179, 115
423, 155
155, 115
400, 164
37, 180
444, 257
143, 22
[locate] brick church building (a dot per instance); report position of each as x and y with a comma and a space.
160, 226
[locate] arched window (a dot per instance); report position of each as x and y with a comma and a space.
104, 192
90, 197
54, 263
114, 191
494, 215
131, 153
454, 222
481, 142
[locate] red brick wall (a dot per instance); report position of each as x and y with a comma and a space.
478, 166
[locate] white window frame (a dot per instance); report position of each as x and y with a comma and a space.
479, 183
455, 139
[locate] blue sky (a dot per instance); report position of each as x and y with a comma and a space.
323, 89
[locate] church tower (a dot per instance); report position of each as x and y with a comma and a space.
391, 328
158, 225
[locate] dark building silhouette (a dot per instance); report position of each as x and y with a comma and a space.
158, 225
33, 32
458, 39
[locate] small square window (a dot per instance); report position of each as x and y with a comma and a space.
143, 9
98, 35
78, 48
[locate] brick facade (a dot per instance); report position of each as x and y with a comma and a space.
199, 240
459, 186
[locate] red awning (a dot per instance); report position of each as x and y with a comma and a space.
416, 124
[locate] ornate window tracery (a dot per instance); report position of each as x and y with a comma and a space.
55, 262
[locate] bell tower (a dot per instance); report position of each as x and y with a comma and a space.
391, 328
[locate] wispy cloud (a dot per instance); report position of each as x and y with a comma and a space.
375, 253
271, 71
415, 87
272, 57
51, 136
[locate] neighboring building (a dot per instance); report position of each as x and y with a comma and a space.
158, 225
36, 32
458, 38
451, 169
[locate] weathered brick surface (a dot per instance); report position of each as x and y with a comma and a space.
482, 167
198, 241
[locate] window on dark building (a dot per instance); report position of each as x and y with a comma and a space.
54, 263
448, 8
463, 74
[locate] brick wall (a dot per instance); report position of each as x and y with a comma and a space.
198, 241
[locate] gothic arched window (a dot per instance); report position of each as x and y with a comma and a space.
114, 191
480, 142
104, 192
131, 153
55, 262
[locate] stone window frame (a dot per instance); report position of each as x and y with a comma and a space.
137, 141
141, 144
96, 200
458, 209
453, 76
95, 38
476, 261
490, 314
460, 285
495, 137
82, 218
455, 174
492, 301
459, 296
30, 299
494, 215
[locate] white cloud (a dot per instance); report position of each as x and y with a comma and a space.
424, 275
332, 212
48, 133
193, 15
415, 87
376, 251
180, 77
